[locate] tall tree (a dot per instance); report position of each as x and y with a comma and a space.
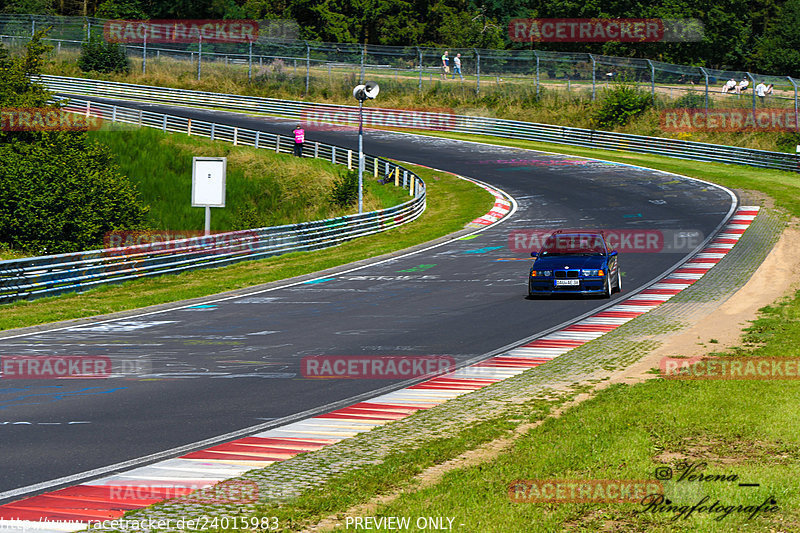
779, 50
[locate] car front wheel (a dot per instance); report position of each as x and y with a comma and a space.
609, 288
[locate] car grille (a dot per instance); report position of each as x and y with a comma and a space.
561, 274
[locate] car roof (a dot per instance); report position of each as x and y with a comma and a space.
597, 237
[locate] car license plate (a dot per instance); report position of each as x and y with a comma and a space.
567, 282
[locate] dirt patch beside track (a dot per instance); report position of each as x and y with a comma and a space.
778, 275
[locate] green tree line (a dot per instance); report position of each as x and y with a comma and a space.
755, 35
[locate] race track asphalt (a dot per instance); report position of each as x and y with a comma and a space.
235, 363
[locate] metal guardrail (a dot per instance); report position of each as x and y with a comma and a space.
322, 113
56, 274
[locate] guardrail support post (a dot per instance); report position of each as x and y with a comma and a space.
477, 71
199, 55
537, 72
250, 60
258, 139
333, 155
363, 59
164, 124
397, 177
235, 136
277, 144
375, 166
113, 114
706, 76
594, 74
316, 149
212, 130
308, 65
349, 160
652, 79
796, 125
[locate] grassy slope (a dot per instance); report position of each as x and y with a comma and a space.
262, 188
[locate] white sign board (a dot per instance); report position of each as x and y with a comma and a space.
208, 181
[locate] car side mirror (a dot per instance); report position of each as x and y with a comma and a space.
612, 253
534, 254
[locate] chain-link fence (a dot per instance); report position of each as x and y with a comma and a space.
323, 63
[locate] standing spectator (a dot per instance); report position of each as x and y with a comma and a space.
729, 86
299, 139
445, 64
761, 90
457, 67
742, 87
769, 89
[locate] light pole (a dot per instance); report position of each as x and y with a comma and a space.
368, 91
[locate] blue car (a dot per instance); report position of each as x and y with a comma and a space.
575, 263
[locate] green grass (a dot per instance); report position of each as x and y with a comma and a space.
451, 204
262, 188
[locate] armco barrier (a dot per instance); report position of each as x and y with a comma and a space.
457, 123
56, 274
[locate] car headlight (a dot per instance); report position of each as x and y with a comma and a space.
541, 273
592, 273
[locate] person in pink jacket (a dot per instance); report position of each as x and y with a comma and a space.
299, 139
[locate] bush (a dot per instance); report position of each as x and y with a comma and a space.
63, 194
345, 189
98, 55
620, 104
58, 191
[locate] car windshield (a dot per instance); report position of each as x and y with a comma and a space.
574, 244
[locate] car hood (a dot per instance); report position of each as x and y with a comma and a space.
571, 261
